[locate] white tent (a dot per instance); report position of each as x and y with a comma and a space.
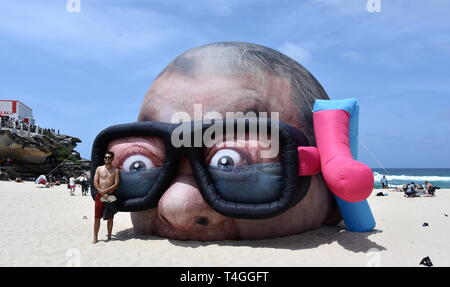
41, 180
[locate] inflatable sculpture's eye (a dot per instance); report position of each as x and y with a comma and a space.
226, 158
137, 163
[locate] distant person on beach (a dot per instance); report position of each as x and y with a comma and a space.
84, 184
106, 181
72, 185
66, 181
420, 190
402, 188
428, 185
51, 180
411, 190
384, 182
430, 188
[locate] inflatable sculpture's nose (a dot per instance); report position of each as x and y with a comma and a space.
183, 207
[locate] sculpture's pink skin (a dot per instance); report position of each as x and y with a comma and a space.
150, 147
347, 178
308, 160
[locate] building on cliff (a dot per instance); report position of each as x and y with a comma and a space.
16, 111
27, 150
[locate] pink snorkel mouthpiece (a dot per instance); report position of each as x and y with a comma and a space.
347, 178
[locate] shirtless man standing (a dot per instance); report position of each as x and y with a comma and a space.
106, 181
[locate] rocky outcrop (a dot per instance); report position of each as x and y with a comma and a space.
33, 154
28, 147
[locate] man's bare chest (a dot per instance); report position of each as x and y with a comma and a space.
107, 173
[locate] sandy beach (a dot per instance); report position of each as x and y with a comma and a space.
47, 227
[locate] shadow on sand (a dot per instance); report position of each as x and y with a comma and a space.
352, 241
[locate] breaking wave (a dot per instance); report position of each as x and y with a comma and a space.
416, 178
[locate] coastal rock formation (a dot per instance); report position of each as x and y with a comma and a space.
32, 154
28, 147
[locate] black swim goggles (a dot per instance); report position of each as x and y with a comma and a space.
231, 161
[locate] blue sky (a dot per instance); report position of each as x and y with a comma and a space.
82, 72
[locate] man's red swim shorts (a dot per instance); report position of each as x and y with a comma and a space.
99, 207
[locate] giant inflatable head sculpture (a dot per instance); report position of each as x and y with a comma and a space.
238, 141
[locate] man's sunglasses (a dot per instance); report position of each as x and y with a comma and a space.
232, 176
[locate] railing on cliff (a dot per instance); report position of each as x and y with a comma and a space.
26, 128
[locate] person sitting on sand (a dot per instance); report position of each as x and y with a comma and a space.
106, 181
420, 190
51, 180
429, 188
404, 187
49, 184
411, 191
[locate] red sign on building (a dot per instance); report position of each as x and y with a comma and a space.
16, 110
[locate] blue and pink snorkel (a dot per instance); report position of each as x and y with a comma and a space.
336, 129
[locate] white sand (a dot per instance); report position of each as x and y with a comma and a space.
45, 227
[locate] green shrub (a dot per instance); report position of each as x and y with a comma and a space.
63, 153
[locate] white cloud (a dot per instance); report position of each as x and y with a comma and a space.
344, 7
296, 52
351, 55
101, 32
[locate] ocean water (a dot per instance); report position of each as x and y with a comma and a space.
399, 176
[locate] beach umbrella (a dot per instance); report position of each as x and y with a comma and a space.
41, 180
